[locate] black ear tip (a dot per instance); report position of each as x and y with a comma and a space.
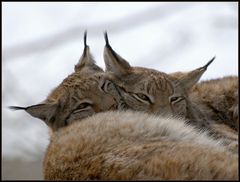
85, 38
209, 62
106, 38
17, 108
212, 59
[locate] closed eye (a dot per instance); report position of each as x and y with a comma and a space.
83, 106
142, 97
175, 99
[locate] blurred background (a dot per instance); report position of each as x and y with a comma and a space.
43, 41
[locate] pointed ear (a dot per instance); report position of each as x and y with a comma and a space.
113, 62
189, 79
86, 60
45, 112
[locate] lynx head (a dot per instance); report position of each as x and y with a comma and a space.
150, 90
78, 96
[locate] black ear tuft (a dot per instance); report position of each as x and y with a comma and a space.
86, 60
85, 38
114, 62
106, 39
85, 44
209, 62
14, 108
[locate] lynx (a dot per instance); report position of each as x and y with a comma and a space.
136, 88
84, 97
123, 87
128, 145
156, 92
78, 96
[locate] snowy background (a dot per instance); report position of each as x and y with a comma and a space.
43, 41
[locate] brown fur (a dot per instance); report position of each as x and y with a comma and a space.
89, 91
135, 146
203, 105
78, 96
219, 99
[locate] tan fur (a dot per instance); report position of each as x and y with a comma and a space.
135, 146
99, 150
78, 96
203, 105
219, 97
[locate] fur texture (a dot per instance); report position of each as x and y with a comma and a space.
219, 99
204, 105
88, 144
136, 146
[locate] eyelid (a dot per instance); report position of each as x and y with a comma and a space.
85, 101
142, 95
148, 100
172, 99
176, 99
